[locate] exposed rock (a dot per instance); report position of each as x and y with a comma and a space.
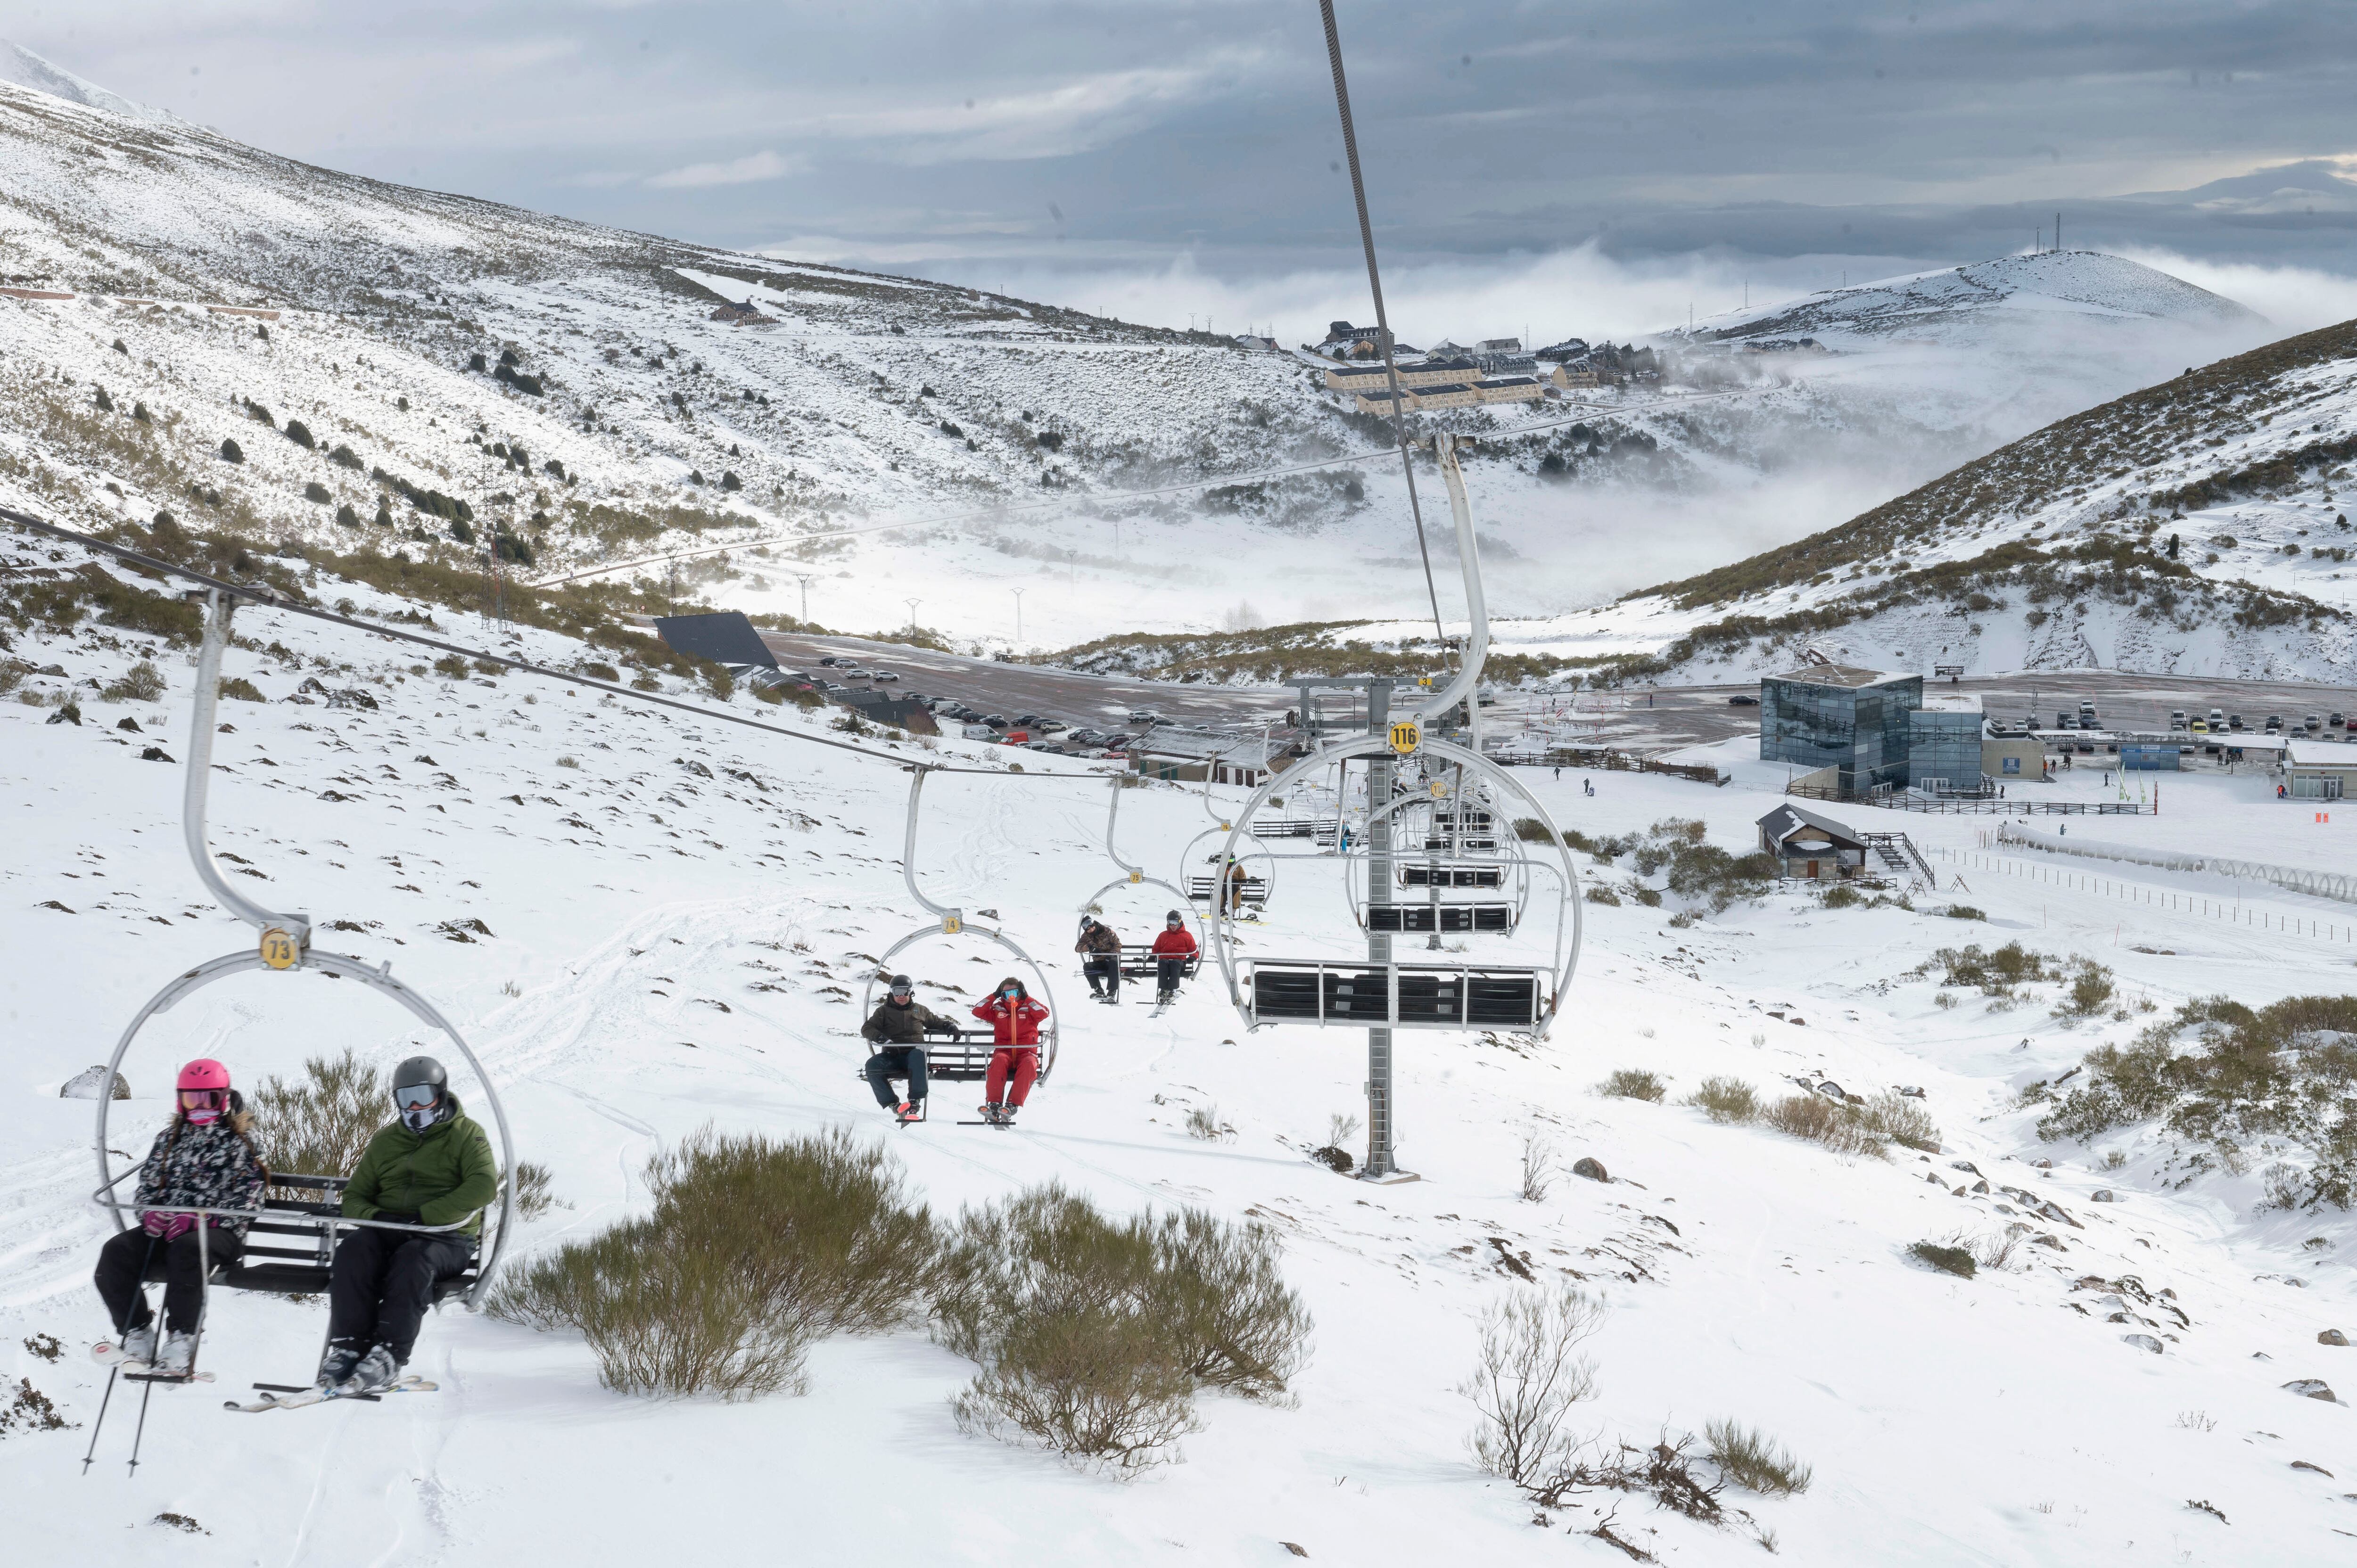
1963, 1166
2042, 1164
1590, 1168
1980, 1187
2329, 1336
2311, 1388
2304, 1464
2101, 1195
83, 1085
2141, 1341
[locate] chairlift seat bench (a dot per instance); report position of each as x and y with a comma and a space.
1347, 994
955, 1055
291, 1251
1139, 961
1423, 917
1201, 888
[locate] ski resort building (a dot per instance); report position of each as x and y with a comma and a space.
1453, 394
1808, 844
1414, 374
2319, 772
1835, 716
1188, 755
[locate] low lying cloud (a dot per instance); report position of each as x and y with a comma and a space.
751, 169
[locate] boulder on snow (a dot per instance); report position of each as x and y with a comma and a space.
2333, 1336
2312, 1389
2141, 1341
2101, 1195
84, 1085
1590, 1167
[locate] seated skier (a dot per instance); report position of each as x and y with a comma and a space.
432, 1165
898, 1029
1172, 950
205, 1159
1101, 964
1014, 1019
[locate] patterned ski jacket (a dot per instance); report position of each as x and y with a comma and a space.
1099, 938
211, 1165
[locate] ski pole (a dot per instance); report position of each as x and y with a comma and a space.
146, 1393
99, 1425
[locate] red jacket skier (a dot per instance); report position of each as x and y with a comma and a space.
1174, 949
1014, 1019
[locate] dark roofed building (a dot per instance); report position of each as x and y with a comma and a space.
1808, 844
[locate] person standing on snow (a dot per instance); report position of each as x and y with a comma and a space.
1172, 950
898, 1029
432, 1165
1101, 960
1014, 1019
205, 1159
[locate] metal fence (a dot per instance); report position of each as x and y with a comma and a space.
2336, 884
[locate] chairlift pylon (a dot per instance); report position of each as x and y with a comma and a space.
285, 947
964, 1059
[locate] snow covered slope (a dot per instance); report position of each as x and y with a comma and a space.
2198, 527
679, 914
20, 67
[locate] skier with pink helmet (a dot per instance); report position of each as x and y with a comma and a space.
204, 1159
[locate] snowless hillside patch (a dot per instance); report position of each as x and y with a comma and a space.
677, 917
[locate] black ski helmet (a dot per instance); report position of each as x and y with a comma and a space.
421, 1070
900, 982
1172, 917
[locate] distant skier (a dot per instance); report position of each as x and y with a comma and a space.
1235, 889
898, 1029
431, 1166
1014, 1019
1172, 950
205, 1159
1102, 963
1588, 785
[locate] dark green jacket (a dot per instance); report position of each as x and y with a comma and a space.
441, 1175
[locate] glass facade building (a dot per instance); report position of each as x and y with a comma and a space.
1835, 716
1945, 743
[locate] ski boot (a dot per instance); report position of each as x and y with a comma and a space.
990, 1112
179, 1354
910, 1111
337, 1366
374, 1373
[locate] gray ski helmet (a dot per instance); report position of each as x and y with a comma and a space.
1172, 917
421, 1070
900, 982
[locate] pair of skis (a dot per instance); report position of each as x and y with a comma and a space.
286, 1396
999, 1117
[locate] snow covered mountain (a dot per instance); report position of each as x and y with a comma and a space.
863, 400
22, 68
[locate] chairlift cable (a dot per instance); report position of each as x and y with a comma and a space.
264, 596
1383, 323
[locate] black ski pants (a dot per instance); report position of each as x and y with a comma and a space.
1104, 970
122, 1260
1169, 972
904, 1060
382, 1283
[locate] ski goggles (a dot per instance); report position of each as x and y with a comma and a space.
203, 1098
904, 991
417, 1096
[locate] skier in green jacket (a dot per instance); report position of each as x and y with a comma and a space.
432, 1167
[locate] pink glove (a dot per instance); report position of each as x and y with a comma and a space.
167, 1228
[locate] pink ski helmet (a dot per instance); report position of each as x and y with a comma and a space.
204, 1073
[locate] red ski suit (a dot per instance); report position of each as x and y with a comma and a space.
1017, 1031
1174, 943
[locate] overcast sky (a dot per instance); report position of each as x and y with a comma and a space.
1162, 151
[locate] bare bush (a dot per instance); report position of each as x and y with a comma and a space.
1725, 1099
321, 1123
1093, 1387
1633, 1083
534, 1195
1754, 1461
1204, 1121
756, 1249
1538, 1166
1819, 1120
143, 682
1530, 1375
1225, 1305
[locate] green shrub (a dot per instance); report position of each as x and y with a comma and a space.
1949, 1259
1994, 974
346, 517
756, 1249
605, 672
319, 1123
1633, 1083
1530, 830
300, 433
452, 665
1842, 895
241, 689
2090, 990
231, 452
143, 682
1901, 1119
316, 492
1599, 894
1817, 1119
1726, 1099
1752, 1460
1964, 912
1093, 1333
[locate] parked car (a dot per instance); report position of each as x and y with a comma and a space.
1117, 741
1053, 727
2217, 717
1146, 716
979, 732
995, 721
2199, 726
1029, 721
2275, 721
2177, 715
1742, 702
2233, 721
2315, 723
2337, 720
882, 675
1086, 738
2021, 727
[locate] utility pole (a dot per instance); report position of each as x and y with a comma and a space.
2058, 231
1018, 615
912, 604
803, 579
1380, 1162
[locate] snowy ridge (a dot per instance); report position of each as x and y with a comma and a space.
20, 67
680, 919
